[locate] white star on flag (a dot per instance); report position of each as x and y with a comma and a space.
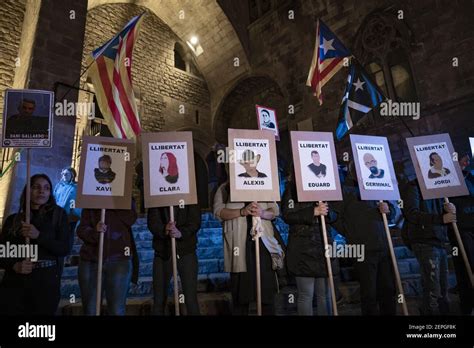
327, 45
359, 84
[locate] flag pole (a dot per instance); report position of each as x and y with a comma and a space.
28, 190
369, 77
329, 266
394, 263
175, 267
257, 266
77, 80
463, 251
100, 260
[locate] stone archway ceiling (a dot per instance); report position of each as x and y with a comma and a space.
206, 20
243, 90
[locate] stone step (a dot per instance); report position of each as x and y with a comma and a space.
209, 304
213, 282
143, 239
210, 252
210, 231
147, 255
402, 252
221, 282
220, 303
206, 266
210, 241
211, 224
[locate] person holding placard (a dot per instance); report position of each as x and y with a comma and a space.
184, 228
360, 221
465, 220
239, 250
305, 254
119, 257
31, 286
426, 225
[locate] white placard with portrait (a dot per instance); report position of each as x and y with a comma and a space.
316, 169
253, 169
253, 166
105, 173
373, 165
168, 168
267, 120
374, 168
315, 165
436, 165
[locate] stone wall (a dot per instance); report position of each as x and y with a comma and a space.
162, 87
282, 48
11, 20
56, 57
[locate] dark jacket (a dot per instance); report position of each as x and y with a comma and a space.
423, 218
305, 250
360, 221
54, 240
465, 206
188, 221
117, 239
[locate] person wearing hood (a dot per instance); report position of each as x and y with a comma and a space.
361, 222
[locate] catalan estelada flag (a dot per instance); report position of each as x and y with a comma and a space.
360, 97
327, 59
111, 75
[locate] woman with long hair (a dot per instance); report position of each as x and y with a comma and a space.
169, 167
31, 284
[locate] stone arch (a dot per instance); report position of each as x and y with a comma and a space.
236, 111
383, 44
217, 36
202, 141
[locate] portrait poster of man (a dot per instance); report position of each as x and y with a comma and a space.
253, 166
169, 172
267, 119
316, 173
436, 166
105, 174
374, 168
27, 118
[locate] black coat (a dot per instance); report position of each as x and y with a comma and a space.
423, 218
465, 206
188, 221
305, 250
360, 221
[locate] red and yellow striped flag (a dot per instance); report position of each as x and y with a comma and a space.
111, 75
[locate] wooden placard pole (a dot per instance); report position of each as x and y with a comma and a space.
28, 191
257, 266
461, 247
394, 263
175, 267
100, 260
329, 266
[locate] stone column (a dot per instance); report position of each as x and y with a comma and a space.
56, 57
